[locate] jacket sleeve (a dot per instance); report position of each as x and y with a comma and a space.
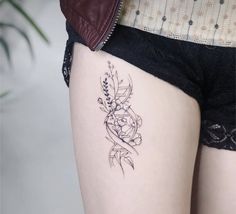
89, 18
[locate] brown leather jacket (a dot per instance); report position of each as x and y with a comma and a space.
93, 20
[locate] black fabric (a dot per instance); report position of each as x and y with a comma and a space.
206, 73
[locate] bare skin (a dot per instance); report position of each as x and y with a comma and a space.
214, 189
137, 157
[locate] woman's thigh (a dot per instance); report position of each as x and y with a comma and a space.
214, 189
135, 137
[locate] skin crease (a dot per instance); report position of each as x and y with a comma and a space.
161, 180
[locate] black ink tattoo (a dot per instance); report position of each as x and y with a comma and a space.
121, 121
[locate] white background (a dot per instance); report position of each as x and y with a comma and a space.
38, 171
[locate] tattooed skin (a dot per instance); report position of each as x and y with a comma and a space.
121, 122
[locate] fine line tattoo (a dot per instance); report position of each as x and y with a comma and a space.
121, 121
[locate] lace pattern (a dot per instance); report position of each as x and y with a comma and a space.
218, 135
66, 67
212, 134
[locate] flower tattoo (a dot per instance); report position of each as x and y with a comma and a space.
121, 121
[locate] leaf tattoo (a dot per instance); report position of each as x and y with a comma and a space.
121, 121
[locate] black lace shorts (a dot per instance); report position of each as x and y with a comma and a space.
207, 73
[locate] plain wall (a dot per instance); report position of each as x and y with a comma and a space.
38, 171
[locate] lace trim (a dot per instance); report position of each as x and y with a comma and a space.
218, 135
66, 67
212, 134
